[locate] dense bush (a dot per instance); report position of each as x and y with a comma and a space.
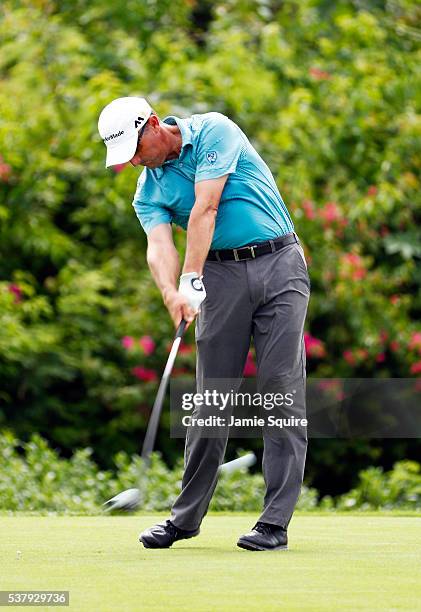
34, 478
327, 93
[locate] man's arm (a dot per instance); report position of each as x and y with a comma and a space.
201, 224
164, 264
162, 258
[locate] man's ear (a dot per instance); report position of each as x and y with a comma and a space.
153, 121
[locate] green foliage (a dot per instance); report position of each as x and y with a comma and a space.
398, 489
329, 94
34, 478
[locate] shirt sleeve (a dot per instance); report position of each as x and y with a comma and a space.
218, 149
149, 212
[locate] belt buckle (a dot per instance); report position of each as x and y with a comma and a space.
253, 255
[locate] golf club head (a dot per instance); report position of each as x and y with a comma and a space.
242, 462
127, 500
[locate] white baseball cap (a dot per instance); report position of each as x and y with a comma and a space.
119, 124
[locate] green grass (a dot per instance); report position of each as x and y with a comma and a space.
346, 562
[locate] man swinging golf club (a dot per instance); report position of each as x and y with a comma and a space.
244, 267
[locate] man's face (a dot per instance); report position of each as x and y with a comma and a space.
151, 148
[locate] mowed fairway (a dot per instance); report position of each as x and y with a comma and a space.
335, 562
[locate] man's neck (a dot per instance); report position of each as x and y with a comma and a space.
175, 141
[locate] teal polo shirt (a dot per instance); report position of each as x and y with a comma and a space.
251, 209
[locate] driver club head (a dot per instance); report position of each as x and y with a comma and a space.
128, 500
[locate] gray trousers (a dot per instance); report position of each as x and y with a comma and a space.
265, 298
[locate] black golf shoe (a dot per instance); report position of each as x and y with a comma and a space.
264, 537
164, 535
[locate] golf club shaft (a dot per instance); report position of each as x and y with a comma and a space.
149, 442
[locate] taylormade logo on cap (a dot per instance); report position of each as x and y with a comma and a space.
113, 136
119, 124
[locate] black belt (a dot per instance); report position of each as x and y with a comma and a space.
254, 250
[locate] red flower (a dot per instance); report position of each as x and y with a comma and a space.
250, 367
353, 266
5, 171
394, 299
330, 213
372, 190
148, 345
127, 342
318, 75
349, 357
180, 372
308, 208
144, 373
415, 342
315, 348
185, 349
416, 368
381, 357
394, 346
17, 291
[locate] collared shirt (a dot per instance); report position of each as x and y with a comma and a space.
251, 209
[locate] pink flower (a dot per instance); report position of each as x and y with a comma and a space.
308, 208
144, 374
415, 342
349, 357
148, 345
5, 171
250, 367
372, 190
315, 348
353, 266
334, 387
127, 342
381, 357
318, 75
352, 259
416, 368
358, 274
330, 213
17, 291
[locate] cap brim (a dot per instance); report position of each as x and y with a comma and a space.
122, 153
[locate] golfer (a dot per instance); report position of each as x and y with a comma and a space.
244, 275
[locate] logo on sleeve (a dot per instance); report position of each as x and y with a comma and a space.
211, 156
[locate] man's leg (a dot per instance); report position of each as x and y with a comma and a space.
278, 325
223, 334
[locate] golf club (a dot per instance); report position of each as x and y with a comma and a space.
130, 499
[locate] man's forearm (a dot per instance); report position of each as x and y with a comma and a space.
199, 238
165, 268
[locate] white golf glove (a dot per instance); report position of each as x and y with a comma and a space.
192, 288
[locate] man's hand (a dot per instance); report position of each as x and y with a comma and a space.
192, 288
179, 308
184, 303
